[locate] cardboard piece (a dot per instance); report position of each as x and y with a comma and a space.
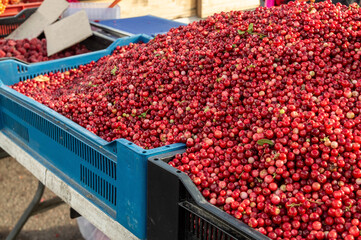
67, 32
47, 13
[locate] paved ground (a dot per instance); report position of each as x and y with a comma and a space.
17, 187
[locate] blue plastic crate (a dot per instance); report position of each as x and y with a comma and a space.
150, 25
111, 175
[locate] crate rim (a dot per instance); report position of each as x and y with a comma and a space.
106, 51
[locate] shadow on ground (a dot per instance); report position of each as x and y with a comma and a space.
17, 188
59, 233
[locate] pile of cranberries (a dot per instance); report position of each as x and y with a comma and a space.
267, 101
35, 50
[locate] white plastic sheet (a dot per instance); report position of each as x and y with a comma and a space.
89, 231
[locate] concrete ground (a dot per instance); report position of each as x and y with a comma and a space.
17, 187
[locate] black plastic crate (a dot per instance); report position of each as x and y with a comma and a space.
177, 210
9, 24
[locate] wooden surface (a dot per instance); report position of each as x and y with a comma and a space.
206, 8
169, 9
172, 9
83, 206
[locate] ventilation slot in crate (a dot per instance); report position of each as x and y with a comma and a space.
22, 69
7, 29
199, 228
98, 184
15, 126
67, 140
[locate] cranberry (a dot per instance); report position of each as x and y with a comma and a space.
267, 103
34, 50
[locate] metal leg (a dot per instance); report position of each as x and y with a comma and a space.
35, 207
47, 205
27, 213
